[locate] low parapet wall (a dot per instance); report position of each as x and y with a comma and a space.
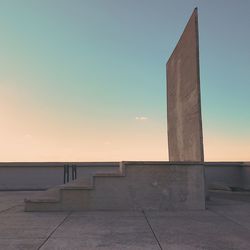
38, 176
228, 174
43, 175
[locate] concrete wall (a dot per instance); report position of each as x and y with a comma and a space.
232, 174
185, 140
246, 174
35, 176
32, 176
150, 186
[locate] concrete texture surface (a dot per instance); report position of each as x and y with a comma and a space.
137, 186
185, 139
224, 225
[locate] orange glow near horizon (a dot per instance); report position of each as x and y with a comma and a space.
41, 137
36, 137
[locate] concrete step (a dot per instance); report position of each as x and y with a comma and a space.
69, 196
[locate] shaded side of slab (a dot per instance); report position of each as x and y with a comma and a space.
185, 139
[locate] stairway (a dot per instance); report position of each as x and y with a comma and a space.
69, 196
134, 186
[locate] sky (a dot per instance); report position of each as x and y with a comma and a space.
84, 80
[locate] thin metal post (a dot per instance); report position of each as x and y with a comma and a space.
68, 173
64, 173
72, 173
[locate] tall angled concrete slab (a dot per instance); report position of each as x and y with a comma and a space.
185, 139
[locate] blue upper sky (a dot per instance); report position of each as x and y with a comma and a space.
86, 79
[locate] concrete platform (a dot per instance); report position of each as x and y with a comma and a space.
224, 225
134, 186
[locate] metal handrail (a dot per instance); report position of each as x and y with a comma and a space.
66, 173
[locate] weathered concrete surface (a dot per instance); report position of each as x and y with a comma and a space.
151, 186
198, 230
185, 140
124, 241
137, 186
224, 225
235, 206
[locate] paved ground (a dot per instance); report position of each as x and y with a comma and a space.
224, 225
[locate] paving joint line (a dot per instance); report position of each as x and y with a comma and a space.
53, 231
146, 218
7, 209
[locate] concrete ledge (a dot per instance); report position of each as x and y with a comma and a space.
42, 200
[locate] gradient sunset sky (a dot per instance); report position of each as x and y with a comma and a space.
84, 80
